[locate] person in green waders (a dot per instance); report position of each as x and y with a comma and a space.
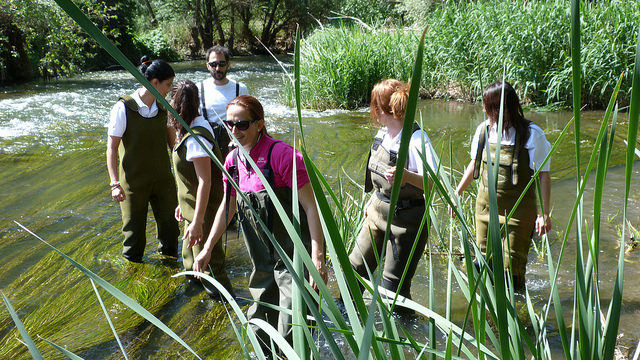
199, 181
139, 136
388, 104
522, 151
270, 280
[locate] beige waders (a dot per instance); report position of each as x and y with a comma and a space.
187, 181
270, 280
513, 175
404, 226
145, 176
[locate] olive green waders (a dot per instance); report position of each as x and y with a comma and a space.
404, 225
145, 176
513, 175
187, 181
270, 280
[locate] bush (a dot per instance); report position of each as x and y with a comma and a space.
156, 44
470, 45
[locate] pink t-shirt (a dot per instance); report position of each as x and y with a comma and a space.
281, 163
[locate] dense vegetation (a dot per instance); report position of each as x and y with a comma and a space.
469, 44
38, 40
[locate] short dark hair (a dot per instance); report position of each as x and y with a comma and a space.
218, 50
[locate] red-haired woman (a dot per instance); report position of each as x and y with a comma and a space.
388, 104
270, 281
522, 151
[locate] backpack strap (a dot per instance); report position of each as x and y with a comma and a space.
479, 150
237, 89
393, 154
204, 106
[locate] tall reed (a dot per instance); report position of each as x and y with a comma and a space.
468, 45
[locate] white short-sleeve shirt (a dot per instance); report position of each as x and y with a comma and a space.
118, 116
218, 96
414, 159
537, 144
194, 150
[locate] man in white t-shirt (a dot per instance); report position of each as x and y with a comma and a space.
217, 91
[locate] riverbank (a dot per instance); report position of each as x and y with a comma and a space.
470, 45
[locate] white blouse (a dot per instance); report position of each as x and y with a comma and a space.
537, 144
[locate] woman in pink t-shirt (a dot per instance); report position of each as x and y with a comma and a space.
270, 280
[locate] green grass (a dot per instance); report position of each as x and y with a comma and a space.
468, 45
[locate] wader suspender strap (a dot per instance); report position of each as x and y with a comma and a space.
368, 183
514, 157
393, 154
479, 150
204, 106
268, 173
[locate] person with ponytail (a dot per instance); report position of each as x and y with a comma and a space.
199, 182
138, 137
523, 148
388, 104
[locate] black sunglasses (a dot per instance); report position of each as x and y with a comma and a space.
214, 64
241, 125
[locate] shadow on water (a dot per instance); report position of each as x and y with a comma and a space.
53, 179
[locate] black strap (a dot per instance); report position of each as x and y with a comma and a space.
402, 203
237, 89
204, 106
479, 150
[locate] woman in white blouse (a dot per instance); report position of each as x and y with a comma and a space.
522, 151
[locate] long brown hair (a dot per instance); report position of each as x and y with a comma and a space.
252, 105
513, 116
389, 96
186, 102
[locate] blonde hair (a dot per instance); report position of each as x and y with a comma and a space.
389, 96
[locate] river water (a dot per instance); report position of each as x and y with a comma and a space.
53, 180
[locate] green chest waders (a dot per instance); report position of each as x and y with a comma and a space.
187, 180
145, 176
270, 280
404, 226
513, 175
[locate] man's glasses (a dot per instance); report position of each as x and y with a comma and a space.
214, 64
240, 125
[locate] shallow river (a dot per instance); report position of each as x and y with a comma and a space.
53, 180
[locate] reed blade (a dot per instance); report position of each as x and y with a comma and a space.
282, 343
613, 316
106, 314
62, 350
117, 293
33, 349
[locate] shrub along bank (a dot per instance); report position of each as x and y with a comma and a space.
470, 45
